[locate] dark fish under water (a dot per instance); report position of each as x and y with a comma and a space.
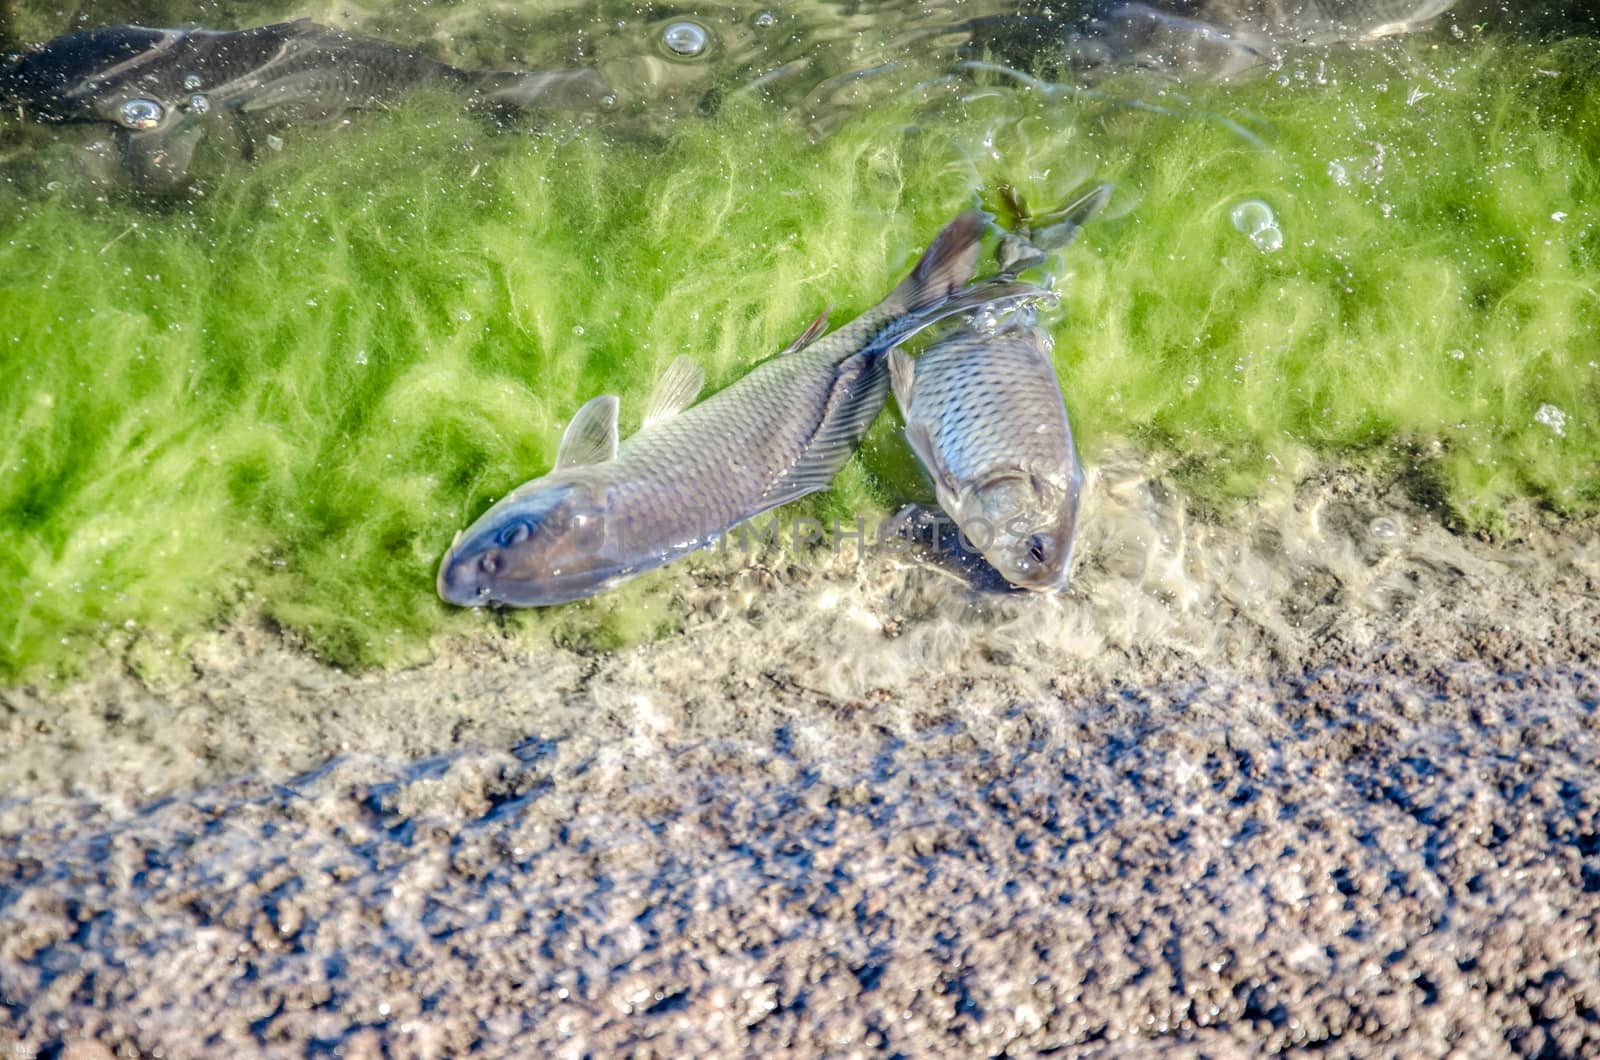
162, 89
1227, 37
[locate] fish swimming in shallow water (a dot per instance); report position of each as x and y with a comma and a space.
985, 417
608, 512
163, 89
1224, 38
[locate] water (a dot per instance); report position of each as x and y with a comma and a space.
1306, 756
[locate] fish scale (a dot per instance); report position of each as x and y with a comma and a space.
1001, 428
699, 472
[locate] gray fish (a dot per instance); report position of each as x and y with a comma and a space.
985, 417
162, 89
1224, 38
607, 512
1312, 21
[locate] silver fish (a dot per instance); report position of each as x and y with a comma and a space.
608, 512
163, 89
985, 417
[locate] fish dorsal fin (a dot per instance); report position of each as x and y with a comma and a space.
809, 335
591, 437
675, 391
859, 391
944, 268
901, 373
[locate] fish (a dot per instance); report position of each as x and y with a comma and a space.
985, 417
609, 511
162, 90
1226, 38
1324, 21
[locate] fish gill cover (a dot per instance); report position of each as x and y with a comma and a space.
283, 396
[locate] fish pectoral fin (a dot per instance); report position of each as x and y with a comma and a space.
901, 373
676, 390
809, 335
591, 437
859, 391
922, 446
570, 89
326, 90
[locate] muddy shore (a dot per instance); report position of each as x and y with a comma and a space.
1320, 773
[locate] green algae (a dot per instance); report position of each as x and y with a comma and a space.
283, 396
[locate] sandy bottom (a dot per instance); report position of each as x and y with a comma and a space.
1324, 774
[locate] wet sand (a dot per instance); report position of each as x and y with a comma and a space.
1318, 774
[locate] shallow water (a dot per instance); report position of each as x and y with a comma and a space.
281, 392
1307, 756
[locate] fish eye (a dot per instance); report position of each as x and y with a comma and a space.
489, 562
142, 114
514, 535
1039, 547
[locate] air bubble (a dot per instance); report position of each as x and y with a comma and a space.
686, 39
142, 114
1383, 528
199, 104
1252, 215
1255, 219
1554, 418
1268, 240
577, 329
192, 82
766, 20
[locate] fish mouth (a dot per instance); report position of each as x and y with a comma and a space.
448, 592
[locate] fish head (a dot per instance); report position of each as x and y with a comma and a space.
544, 544
1024, 523
105, 74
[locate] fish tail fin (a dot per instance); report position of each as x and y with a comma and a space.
943, 269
